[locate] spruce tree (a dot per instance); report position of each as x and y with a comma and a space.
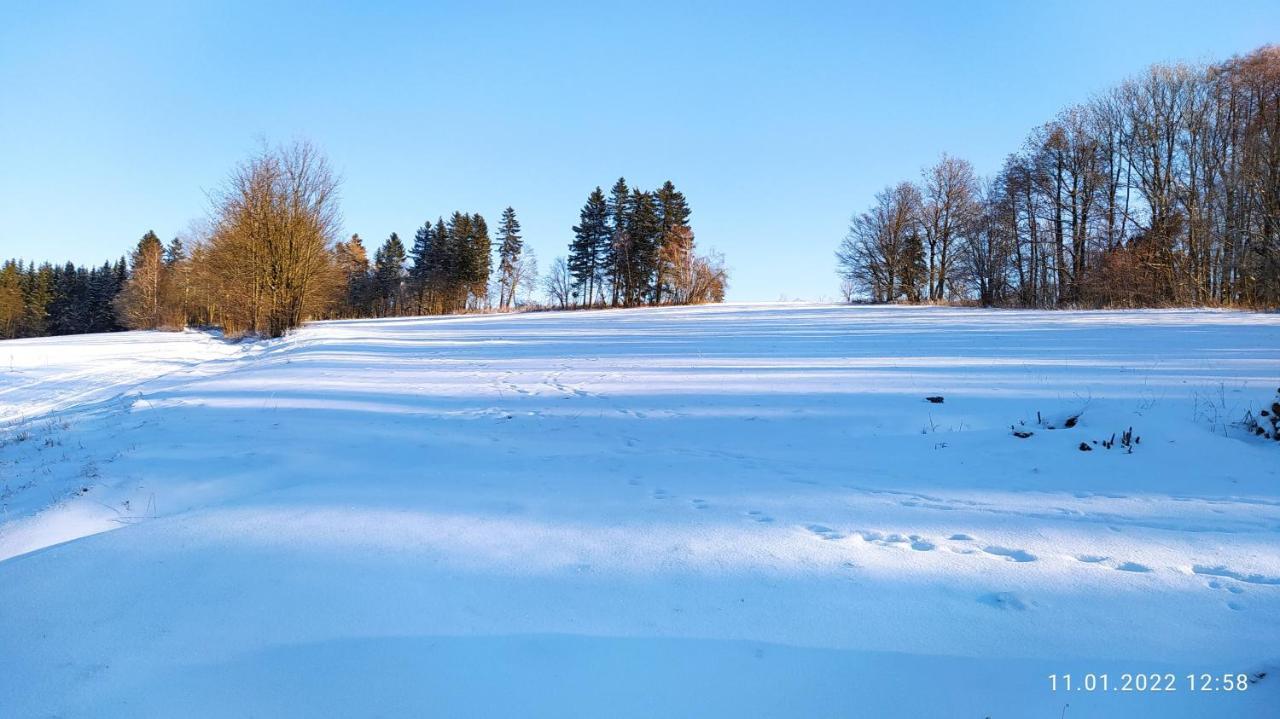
644, 229
38, 292
12, 306
353, 262
675, 243
388, 274
479, 263
420, 269
456, 258
174, 252
588, 251
618, 251
509, 245
142, 304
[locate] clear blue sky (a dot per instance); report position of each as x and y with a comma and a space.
777, 119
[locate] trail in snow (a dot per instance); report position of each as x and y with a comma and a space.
732, 493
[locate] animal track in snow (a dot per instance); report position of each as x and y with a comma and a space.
1013, 555
759, 516
1221, 571
1091, 558
1133, 567
1215, 584
825, 532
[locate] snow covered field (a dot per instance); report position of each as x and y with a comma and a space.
738, 510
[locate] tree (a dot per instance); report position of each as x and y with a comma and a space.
526, 276
142, 304
643, 232
590, 248
12, 306
509, 246
269, 262
558, 284
946, 211
675, 244
388, 276
352, 261
618, 251
881, 254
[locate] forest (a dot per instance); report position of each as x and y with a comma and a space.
1161, 191
268, 258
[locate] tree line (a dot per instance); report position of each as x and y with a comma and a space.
1164, 190
268, 259
39, 300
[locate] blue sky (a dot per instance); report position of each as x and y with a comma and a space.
778, 120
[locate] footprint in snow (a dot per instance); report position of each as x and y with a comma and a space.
960, 538
1133, 567
700, 504
1091, 558
759, 516
1013, 555
661, 494
923, 545
1221, 571
824, 532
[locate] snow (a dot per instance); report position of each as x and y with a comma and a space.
734, 510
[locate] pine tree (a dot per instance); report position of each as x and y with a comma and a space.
644, 229
37, 292
588, 251
439, 264
618, 251
142, 304
479, 260
675, 250
388, 275
420, 270
12, 306
353, 261
509, 245
456, 261
174, 252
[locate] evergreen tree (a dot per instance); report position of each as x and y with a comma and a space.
353, 262
644, 230
479, 260
589, 249
455, 261
618, 251
420, 271
509, 245
388, 275
675, 244
12, 306
143, 304
37, 293
174, 252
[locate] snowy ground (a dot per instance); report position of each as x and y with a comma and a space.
741, 510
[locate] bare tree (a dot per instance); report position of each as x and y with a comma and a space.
558, 284
269, 258
947, 208
881, 255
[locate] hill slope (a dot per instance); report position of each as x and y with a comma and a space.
731, 510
